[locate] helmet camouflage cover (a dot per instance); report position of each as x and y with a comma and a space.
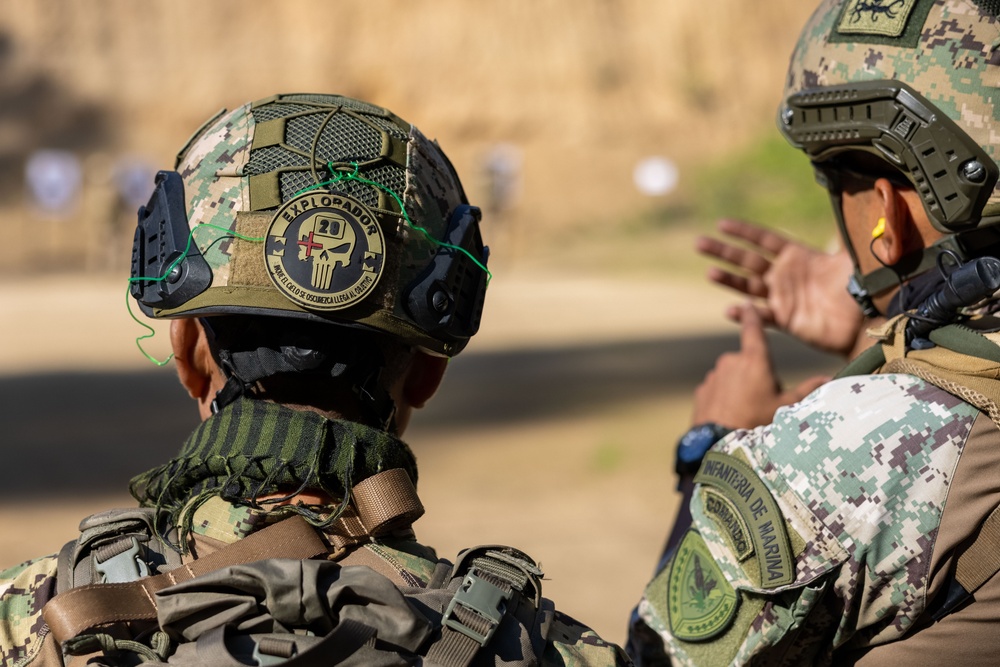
314, 207
914, 83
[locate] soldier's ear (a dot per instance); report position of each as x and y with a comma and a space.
897, 235
423, 378
192, 356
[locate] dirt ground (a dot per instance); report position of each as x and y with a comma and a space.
588, 492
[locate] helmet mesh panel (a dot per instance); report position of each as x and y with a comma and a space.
277, 110
991, 7
389, 176
263, 160
343, 139
394, 129
346, 102
293, 181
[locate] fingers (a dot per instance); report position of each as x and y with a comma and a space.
752, 338
749, 285
734, 313
755, 235
749, 260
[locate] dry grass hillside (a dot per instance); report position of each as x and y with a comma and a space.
582, 90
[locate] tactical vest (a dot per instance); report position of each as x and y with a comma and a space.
124, 597
964, 361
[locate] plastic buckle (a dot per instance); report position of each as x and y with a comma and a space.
482, 598
123, 567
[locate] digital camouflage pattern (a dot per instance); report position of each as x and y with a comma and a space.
860, 471
945, 49
245, 163
24, 590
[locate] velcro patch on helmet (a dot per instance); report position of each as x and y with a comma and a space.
324, 251
881, 21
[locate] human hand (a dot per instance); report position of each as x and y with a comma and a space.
799, 289
742, 390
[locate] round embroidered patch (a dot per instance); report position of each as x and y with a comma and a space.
700, 601
324, 251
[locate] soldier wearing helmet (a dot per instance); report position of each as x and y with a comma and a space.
319, 263
858, 525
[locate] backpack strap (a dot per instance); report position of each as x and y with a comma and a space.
80, 609
975, 566
490, 582
114, 547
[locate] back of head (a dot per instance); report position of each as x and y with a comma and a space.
909, 87
313, 234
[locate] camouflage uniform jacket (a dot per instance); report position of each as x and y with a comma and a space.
24, 590
824, 537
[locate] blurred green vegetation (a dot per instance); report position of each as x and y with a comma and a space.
767, 182
608, 457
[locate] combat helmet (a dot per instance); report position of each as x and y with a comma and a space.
913, 84
313, 208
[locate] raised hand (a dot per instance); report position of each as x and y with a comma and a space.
742, 390
798, 289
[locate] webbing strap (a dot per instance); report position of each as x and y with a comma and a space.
497, 582
81, 609
468, 624
975, 566
982, 559
380, 504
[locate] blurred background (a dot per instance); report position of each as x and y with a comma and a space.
600, 137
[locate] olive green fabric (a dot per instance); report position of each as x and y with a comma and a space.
252, 448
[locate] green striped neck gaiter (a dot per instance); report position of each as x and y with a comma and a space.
253, 448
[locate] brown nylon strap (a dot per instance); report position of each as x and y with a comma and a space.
981, 560
454, 649
386, 501
81, 609
380, 504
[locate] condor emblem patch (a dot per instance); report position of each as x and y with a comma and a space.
876, 17
700, 602
324, 251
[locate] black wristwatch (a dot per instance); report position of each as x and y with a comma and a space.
693, 445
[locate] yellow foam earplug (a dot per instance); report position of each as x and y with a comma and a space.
879, 228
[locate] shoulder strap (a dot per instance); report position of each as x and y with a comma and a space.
975, 566
115, 546
490, 582
81, 609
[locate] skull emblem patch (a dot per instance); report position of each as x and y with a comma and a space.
324, 251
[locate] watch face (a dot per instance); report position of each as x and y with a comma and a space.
695, 443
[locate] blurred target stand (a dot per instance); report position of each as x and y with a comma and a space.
96, 195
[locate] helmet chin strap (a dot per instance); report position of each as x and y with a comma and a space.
863, 287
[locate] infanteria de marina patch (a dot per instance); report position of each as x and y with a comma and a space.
758, 514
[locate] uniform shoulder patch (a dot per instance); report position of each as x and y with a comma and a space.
700, 601
324, 251
755, 512
727, 517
